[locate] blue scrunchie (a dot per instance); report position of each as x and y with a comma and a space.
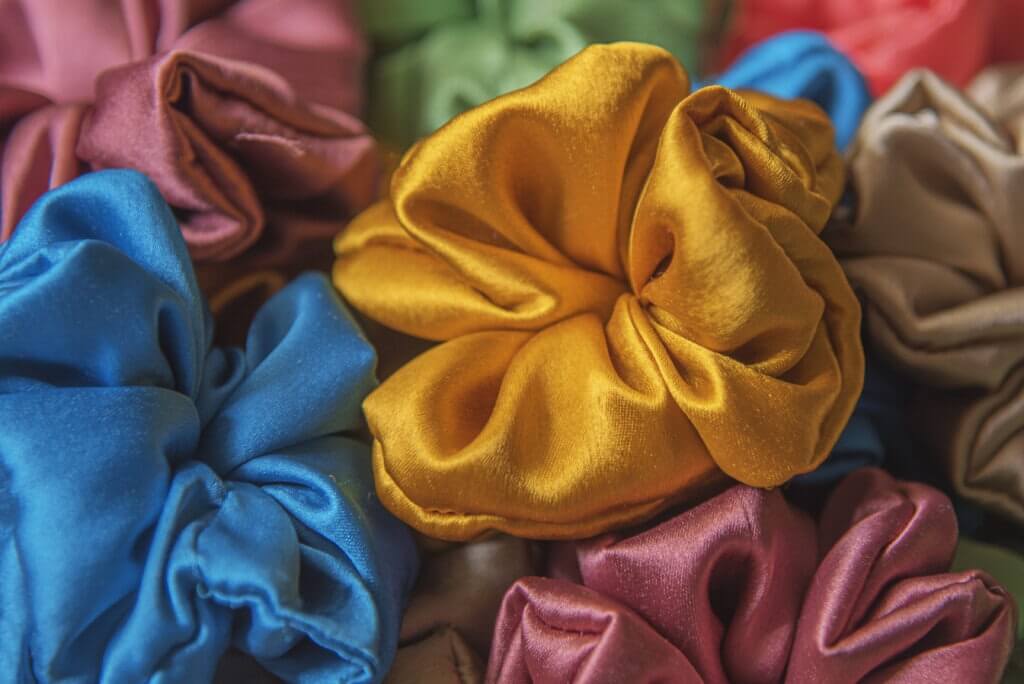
162, 500
804, 64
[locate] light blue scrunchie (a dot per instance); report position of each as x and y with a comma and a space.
804, 64
162, 500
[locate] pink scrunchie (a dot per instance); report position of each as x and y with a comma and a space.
747, 588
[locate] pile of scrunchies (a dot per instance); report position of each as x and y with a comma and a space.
511, 341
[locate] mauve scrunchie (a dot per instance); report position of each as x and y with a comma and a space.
164, 500
886, 38
935, 251
804, 64
241, 111
746, 588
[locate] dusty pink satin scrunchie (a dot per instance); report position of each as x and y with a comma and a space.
747, 588
241, 111
885, 38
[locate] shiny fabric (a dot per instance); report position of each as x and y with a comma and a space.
240, 111
875, 433
804, 64
887, 38
447, 626
631, 295
1006, 566
936, 253
747, 588
436, 59
461, 586
443, 657
165, 499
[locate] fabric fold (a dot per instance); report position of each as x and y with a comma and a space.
887, 38
934, 251
804, 64
432, 63
242, 112
607, 349
177, 499
746, 588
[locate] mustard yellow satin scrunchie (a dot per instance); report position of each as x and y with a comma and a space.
631, 294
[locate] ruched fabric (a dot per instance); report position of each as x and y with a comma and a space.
746, 588
804, 64
447, 626
631, 296
935, 251
164, 499
241, 111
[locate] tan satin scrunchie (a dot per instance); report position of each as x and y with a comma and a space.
631, 294
937, 253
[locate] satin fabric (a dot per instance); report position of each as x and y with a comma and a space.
999, 91
935, 251
631, 295
1008, 569
804, 64
461, 586
887, 38
747, 588
165, 499
447, 626
875, 435
435, 60
1006, 566
443, 657
240, 111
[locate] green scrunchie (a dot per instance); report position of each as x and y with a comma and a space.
436, 59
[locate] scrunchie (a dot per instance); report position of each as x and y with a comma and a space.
887, 38
241, 111
804, 64
448, 623
437, 59
746, 588
936, 253
164, 500
631, 293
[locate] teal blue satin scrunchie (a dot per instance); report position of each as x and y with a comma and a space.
161, 500
804, 64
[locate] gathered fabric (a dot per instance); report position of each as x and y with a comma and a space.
243, 112
165, 499
887, 38
631, 295
747, 588
804, 64
935, 251
447, 626
435, 60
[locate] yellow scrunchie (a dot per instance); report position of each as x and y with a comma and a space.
632, 298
